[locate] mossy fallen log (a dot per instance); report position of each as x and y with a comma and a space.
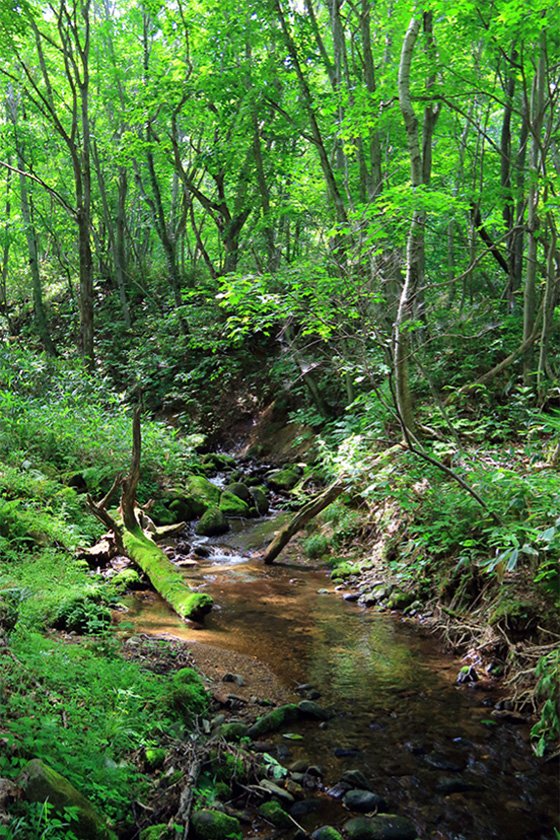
166, 579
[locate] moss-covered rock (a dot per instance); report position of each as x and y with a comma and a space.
185, 509
215, 825
260, 500
285, 479
273, 720
125, 579
381, 827
399, 599
165, 577
233, 731
212, 524
154, 758
274, 813
199, 489
217, 461
40, 783
163, 515
188, 695
241, 491
232, 505
344, 570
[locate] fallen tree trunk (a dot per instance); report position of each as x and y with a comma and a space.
302, 517
139, 545
314, 507
166, 579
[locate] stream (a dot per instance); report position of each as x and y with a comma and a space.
428, 746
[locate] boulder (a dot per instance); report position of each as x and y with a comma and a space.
382, 827
233, 731
209, 824
285, 479
201, 492
363, 801
260, 500
212, 523
40, 783
237, 488
232, 505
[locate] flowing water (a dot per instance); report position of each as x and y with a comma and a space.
400, 718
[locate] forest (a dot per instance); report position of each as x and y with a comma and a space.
279, 419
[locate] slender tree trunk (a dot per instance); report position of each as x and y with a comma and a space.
530, 292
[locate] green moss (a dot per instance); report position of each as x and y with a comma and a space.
260, 500
275, 814
40, 783
233, 505
218, 461
199, 489
215, 825
228, 766
188, 695
154, 758
233, 731
212, 523
285, 479
273, 720
399, 599
344, 570
165, 577
125, 579
156, 832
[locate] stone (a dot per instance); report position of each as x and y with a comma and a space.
309, 709
40, 782
454, 784
273, 720
304, 807
275, 790
284, 480
467, 674
201, 492
260, 500
399, 599
232, 505
237, 488
382, 827
234, 678
212, 523
233, 731
275, 814
356, 779
209, 824
437, 761
364, 801
326, 832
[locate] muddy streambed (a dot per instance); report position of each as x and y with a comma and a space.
400, 718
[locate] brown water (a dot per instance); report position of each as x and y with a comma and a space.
400, 718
